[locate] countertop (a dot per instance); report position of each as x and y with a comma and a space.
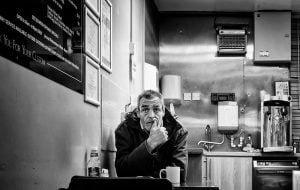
201, 151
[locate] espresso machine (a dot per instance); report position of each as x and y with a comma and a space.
276, 125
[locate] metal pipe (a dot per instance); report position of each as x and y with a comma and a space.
210, 142
208, 135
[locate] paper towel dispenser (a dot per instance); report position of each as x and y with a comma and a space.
228, 117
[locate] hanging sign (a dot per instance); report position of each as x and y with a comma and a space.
45, 37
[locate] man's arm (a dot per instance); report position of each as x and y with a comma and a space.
131, 161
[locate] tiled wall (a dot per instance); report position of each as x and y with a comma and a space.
295, 73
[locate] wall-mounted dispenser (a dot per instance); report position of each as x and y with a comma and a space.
228, 117
171, 91
232, 41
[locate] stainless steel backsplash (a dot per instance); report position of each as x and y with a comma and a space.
187, 47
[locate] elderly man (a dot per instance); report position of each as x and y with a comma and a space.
150, 139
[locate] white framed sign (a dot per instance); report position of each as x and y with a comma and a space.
92, 35
106, 35
94, 5
92, 82
282, 88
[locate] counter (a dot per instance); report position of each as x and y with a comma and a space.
228, 170
201, 151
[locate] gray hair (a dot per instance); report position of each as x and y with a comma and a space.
150, 94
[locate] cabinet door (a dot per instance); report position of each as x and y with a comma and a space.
272, 36
230, 173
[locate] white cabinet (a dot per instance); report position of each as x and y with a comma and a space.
228, 173
272, 37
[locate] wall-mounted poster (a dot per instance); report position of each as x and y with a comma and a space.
92, 35
94, 5
106, 35
45, 37
92, 82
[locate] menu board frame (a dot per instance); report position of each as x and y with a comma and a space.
92, 82
45, 37
94, 5
92, 38
106, 35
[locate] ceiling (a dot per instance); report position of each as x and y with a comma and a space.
227, 5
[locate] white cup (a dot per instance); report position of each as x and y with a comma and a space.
172, 174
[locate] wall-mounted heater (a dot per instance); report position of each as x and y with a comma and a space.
231, 41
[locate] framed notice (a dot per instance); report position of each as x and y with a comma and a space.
282, 88
92, 82
106, 35
94, 5
92, 35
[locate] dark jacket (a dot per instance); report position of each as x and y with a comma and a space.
133, 158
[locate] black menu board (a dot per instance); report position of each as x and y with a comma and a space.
46, 37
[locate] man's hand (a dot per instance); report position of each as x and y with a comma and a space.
158, 135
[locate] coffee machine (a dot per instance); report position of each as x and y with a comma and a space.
276, 125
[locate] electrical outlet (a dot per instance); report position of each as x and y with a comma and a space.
196, 96
187, 96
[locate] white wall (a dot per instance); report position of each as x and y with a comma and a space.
45, 130
46, 127
117, 87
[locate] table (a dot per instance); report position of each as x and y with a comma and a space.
133, 183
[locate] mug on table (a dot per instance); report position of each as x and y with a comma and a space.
172, 174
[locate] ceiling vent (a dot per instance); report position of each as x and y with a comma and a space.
231, 41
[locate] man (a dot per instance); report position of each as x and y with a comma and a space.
150, 139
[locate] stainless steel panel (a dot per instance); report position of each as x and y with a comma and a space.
151, 34
188, 48
272, 37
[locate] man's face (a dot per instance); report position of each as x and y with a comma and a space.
151, 111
